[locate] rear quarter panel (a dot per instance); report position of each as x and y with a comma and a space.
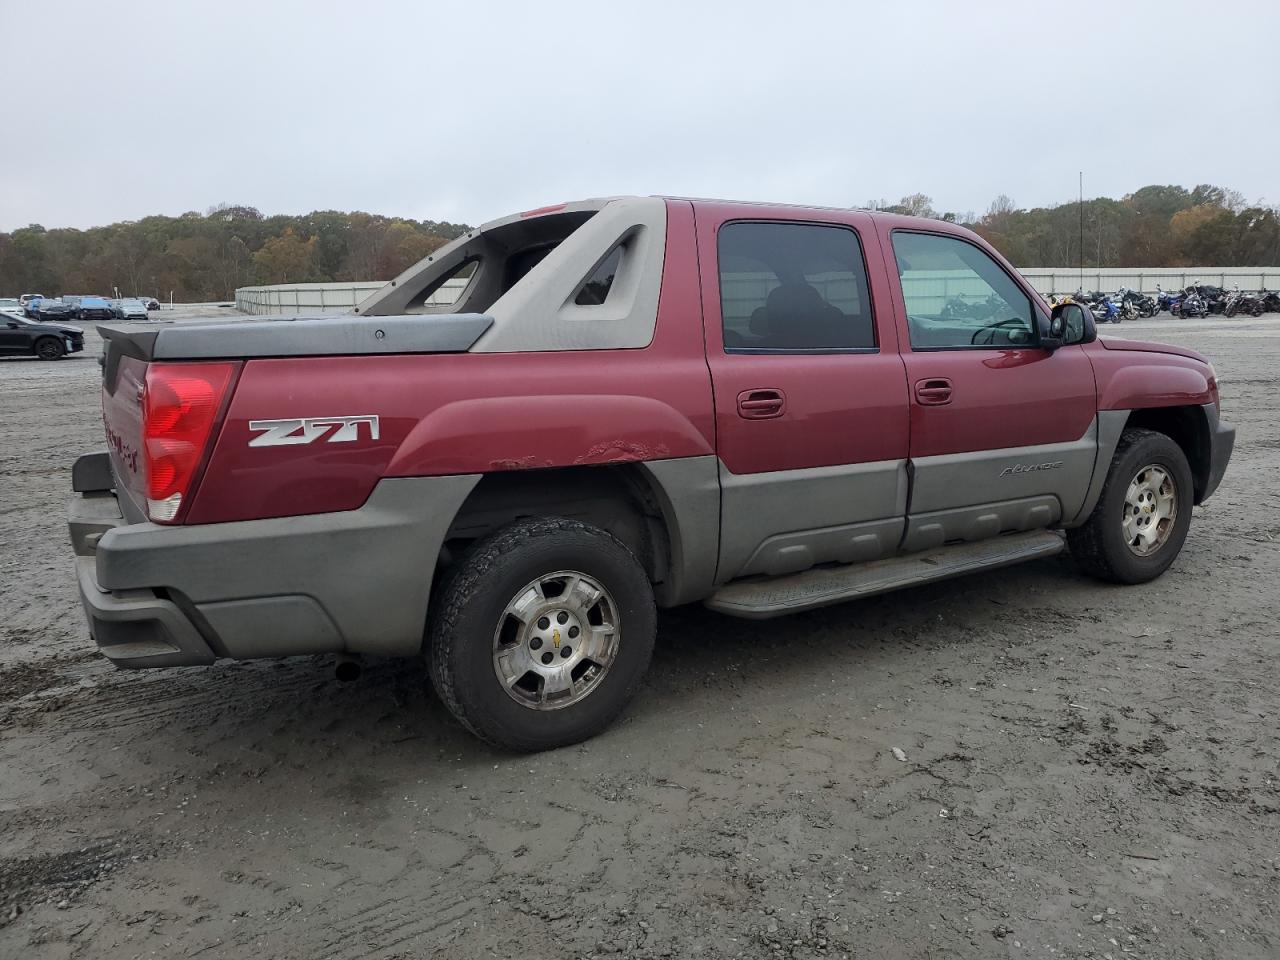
469, 413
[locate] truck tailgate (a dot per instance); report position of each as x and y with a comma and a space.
122, 387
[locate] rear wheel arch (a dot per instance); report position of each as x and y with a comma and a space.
620, 499
1189, 428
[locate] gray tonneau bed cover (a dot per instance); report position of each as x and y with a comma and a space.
296, 336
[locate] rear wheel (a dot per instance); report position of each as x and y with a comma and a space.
1140, 521
542, 634
49, 348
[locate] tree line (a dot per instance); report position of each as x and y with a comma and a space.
201, 257
206, 256
1156, 226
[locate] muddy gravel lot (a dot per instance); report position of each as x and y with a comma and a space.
1090, 771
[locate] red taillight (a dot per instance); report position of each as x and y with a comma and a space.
179, 408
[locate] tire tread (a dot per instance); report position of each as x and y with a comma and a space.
1088, 542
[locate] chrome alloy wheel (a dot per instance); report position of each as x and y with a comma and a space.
1150, 510
556, 640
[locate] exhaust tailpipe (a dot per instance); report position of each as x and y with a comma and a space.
347, 668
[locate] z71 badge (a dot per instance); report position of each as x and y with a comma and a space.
280, 433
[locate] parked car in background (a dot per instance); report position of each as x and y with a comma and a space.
9, 304
130, 308
48, 341
26, 297
47, 310
151, 302
94, 308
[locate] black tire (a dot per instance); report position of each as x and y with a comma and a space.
469, 609
49, 348
1099, 545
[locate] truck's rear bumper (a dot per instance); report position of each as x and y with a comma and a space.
355, 581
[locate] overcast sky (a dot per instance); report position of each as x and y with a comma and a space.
466, 111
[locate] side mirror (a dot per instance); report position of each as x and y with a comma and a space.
1069, 324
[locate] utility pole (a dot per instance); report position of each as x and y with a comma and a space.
1081, 230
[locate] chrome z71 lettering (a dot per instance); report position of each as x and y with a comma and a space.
280, 433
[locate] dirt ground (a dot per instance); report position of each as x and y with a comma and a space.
1090, 771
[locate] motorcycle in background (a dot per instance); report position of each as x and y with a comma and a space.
1134, 304
1215, 298
1193, 305
1166, 300
1104, 309
1237, 302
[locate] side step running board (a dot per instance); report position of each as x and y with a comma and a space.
760, 599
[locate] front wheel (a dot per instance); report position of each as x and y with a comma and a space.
542, 634
49, 348
1141, 518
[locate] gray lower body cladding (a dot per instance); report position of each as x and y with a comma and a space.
823, 586
356, 581
1222, 440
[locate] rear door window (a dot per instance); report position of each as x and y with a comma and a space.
793, 287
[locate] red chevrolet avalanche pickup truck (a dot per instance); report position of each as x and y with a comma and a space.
506, 459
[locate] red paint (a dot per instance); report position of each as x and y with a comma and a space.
1149, 346
1130, 380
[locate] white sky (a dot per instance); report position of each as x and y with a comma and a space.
467, 111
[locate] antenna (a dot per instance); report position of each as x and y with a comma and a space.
1081, 229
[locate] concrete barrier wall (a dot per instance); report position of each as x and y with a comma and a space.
290, 298
303, 297
343, 297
